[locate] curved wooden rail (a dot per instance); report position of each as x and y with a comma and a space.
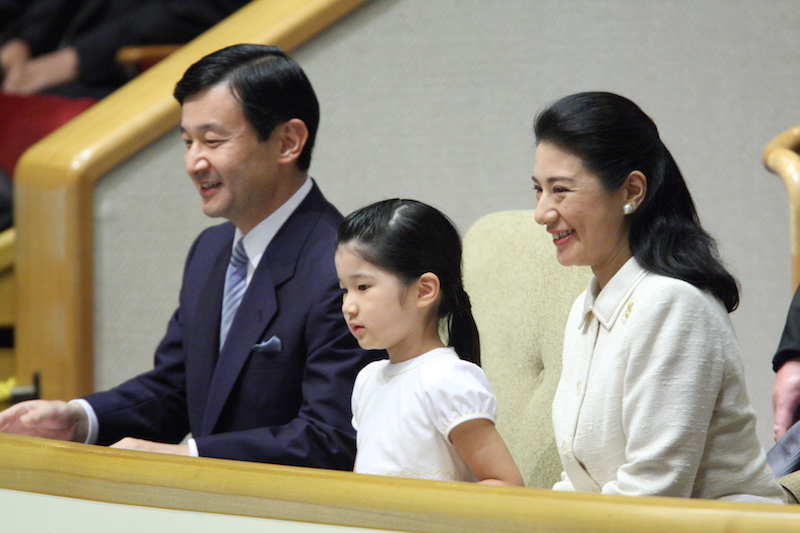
781, 157
55, 179
347, 499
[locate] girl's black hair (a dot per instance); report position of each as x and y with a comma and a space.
613, 137
409, 238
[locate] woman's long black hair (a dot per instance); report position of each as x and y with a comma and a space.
613, 137
409, 238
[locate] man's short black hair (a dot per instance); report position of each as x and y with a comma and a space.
270, 86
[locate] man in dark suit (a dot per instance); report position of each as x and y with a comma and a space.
276, 388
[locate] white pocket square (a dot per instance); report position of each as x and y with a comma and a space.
273, 344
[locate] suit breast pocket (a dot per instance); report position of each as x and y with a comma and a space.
271, 345
271, 385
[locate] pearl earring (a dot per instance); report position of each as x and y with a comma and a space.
627, 208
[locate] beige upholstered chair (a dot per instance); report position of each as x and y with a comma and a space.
521, 297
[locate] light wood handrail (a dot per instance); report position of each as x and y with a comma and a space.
347, 499
55, 180
781, 157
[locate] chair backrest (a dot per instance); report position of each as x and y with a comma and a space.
521, 297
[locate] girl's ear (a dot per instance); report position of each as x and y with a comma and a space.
427, 287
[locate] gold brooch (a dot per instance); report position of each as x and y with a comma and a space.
628, 310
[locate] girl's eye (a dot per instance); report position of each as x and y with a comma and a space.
559, 190
362, 287
537, 189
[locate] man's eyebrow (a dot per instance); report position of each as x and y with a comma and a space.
208, 126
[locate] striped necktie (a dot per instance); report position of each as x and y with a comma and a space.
235, 285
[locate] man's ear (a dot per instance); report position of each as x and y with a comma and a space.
427, 288
293, 134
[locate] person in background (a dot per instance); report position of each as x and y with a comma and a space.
257, 362
69, 48
652, 398
428, 411
784, 456
10, 11
786, 364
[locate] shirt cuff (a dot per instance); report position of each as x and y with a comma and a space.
94, 424
193, 448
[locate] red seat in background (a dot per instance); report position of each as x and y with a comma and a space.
24, 120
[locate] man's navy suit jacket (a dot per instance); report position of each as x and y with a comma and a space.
288, 406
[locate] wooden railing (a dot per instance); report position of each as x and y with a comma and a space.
781, 157
55, 180
347, 499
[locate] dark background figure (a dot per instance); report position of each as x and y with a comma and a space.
69, 48
6, 201
10, 10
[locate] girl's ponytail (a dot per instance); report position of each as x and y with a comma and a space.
462, 329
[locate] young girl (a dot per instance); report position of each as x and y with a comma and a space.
424, 413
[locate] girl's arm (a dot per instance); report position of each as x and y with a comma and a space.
484, 451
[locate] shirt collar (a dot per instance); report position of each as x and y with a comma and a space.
607, 304
258, 238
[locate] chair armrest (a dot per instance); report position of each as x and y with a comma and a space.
137, 59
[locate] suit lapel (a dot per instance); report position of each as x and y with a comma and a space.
202, 338
258, 306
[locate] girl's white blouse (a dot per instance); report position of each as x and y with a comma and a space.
404, 412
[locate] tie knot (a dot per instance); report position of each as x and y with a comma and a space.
239, 256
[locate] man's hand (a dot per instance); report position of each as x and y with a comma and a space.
129, 443
46, 419
785, 397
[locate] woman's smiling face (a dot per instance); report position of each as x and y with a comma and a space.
587, 222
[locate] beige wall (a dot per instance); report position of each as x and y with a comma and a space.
435, 100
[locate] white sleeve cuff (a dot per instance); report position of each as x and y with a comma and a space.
94, 424
193, 448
